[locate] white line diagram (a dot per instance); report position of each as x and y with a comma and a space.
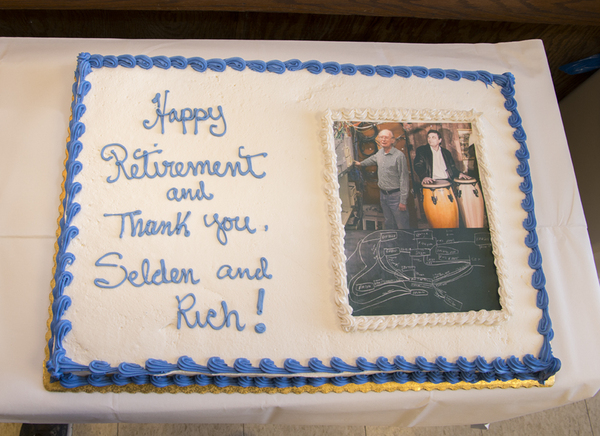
394, 264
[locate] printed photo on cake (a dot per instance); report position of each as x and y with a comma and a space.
417, 237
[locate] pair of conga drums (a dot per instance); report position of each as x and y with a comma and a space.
442, 207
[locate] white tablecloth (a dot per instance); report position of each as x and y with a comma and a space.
36, 76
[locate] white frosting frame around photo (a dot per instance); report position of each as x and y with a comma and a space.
352, 323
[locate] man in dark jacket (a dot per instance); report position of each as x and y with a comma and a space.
433, 162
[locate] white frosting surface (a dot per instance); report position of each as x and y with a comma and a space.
281, 115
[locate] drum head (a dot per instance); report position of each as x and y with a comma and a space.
465, 181
436, 184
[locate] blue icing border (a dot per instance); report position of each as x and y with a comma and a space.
61, 368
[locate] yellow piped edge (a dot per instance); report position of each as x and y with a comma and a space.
58, 232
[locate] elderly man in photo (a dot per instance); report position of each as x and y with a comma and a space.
433, 162
392, 174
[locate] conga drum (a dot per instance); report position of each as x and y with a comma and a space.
440, 205
470, 202
367, 148
366, 131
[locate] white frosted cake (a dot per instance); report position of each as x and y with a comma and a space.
215, 233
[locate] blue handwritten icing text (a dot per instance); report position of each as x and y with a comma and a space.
185, 194
197, 115
260, 273
173, 169
158, 277
211, 313
227, 224
152, 227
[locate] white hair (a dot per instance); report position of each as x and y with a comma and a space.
386, 130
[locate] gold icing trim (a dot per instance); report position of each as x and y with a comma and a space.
58, 232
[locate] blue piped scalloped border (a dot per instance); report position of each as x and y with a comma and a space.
61, 368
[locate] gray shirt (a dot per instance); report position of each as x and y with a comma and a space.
392, 171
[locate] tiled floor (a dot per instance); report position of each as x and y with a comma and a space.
582, 418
